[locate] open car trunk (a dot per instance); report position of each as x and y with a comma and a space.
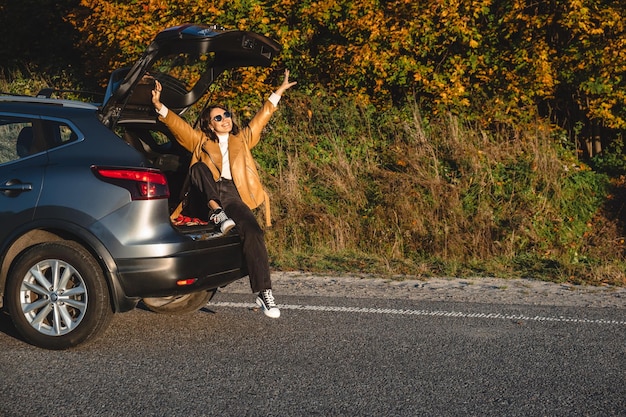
186, 60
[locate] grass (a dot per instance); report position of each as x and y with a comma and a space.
399, 193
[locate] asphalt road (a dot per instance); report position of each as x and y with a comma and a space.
330, 356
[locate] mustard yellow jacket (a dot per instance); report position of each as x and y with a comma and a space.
242, 164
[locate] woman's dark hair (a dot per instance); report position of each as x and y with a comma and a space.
205, 122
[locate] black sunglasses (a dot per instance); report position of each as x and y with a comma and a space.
219, 117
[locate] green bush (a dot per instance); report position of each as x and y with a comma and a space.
410, 194
612, 161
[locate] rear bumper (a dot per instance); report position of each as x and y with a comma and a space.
210, 268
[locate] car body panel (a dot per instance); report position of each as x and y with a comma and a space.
20, 187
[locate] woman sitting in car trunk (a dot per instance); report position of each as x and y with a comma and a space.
223, 171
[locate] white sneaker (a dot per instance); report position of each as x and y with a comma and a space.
219, 218
265, 300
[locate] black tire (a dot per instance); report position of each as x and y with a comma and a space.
179, 304
57, 295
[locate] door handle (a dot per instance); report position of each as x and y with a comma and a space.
14, 187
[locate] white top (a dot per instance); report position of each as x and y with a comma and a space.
225, 161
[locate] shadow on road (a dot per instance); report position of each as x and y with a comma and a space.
6, 327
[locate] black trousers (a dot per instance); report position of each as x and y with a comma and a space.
252, 236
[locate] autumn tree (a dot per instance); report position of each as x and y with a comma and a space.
496, 62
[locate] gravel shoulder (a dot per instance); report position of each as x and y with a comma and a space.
476, 290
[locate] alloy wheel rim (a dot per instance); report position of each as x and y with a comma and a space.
53, 297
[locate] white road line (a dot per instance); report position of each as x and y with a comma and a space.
440, 313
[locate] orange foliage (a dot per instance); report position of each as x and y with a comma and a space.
494, 59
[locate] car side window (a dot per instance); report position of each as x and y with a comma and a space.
16, 138
22, 137
57, 133
66, 134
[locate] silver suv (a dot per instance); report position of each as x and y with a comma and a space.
86, 193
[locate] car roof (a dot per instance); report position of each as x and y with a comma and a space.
47, 101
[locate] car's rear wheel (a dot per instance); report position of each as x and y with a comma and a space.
57, 295
179, 304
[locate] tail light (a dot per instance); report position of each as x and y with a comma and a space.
143, 184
